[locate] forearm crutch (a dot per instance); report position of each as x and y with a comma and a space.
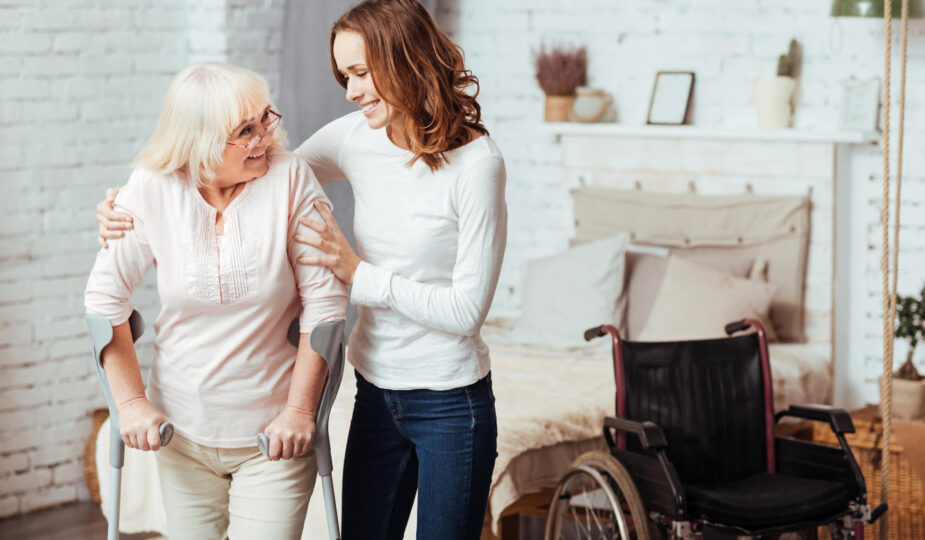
327, 339
100, 337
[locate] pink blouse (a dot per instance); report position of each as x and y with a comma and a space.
222, 364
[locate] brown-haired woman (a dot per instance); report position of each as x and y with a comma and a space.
430, 226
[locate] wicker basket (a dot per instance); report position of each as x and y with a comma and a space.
907, 492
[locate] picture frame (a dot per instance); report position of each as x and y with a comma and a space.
860, 104
671, 98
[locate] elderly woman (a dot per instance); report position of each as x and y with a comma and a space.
214, 200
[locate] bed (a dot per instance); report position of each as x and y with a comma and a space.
551, 406
551, 399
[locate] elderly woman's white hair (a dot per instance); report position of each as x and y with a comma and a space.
204, 103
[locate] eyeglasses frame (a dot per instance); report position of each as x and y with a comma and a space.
277, 118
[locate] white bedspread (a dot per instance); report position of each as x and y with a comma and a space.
550, 406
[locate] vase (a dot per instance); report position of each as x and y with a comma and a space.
592, 106
908, 399
774, 101
558, 108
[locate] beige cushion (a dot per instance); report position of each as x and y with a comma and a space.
750, 226
567, 293
696, 302
644, 272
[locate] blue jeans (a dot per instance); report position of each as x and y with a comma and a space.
441, 445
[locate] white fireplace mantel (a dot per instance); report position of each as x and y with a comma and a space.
711, 133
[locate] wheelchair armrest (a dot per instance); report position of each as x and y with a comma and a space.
838, 419
650, 435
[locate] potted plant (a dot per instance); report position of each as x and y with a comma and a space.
908, 384
774, 95
559, 72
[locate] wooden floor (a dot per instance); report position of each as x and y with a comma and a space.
74, 521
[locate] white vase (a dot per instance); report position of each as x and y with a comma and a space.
908, 399
774, 101
592, 105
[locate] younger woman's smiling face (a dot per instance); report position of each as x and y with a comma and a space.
350, 56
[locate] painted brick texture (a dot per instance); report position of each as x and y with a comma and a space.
81, 84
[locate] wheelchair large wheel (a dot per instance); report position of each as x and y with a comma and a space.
596, 500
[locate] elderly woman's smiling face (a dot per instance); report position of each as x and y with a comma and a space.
245, 155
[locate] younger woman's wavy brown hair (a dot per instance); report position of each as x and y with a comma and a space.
419, 71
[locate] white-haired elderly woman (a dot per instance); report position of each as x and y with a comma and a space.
214, 199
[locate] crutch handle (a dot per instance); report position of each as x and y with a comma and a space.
166, 431
263, 442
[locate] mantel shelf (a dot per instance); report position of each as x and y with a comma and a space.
711, 133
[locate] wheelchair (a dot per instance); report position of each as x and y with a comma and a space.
693, 452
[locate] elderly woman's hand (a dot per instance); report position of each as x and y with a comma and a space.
112, 223
291, 433
338, 255
139, 424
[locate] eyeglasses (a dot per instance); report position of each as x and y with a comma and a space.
250, 134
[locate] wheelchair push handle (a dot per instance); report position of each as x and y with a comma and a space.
592, 333
736, 326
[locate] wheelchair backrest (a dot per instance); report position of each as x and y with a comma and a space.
708, 398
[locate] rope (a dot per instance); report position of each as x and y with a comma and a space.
899, 171
886, 386
889, 290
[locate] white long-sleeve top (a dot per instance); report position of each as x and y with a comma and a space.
431, 244
222, 364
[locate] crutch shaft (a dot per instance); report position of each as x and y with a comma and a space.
330, 507
115, 494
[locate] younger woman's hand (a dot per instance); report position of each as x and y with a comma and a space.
139, 424
338, 255
291, 433
112, 223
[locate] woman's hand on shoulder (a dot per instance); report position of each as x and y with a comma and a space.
337, 253
139, 424
112, 223
291, 433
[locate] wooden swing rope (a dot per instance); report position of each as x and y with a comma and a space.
889, 289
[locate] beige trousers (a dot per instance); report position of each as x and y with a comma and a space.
236, 493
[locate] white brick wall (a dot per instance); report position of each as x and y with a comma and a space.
727, 43
81, 83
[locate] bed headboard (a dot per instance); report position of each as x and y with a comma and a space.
774, 228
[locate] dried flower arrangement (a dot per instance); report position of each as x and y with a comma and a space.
560, 70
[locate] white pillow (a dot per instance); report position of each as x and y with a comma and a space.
696, 302
565, 294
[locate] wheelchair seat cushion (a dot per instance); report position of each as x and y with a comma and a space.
767, 500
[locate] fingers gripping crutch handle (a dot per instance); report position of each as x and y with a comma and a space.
327, 339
